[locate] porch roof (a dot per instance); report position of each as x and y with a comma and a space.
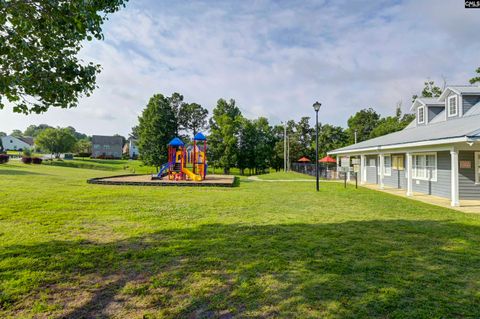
434, 133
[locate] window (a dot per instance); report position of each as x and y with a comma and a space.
96, 146
477, 167
421, 114
106, 147
425, 166
453, 105
371, 162
387, 165
397, 162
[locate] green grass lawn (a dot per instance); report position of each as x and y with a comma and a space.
69, 249
120, 166
285, 176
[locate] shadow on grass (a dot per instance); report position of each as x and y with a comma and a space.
365, 269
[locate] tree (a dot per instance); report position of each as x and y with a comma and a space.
192, 117
429, 90
247, 141
392, 124
224, 128
477, 78
176, 103
276, 160
135, 133
83, 147
56, 141
363, 122
16, 133
304, 135
2, 134
78, 136
157, 126
34, 130
264, 148
40, 41
329, 138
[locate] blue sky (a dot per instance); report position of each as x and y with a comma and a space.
275, 58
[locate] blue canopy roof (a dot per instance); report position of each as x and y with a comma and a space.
199, 137
176, 142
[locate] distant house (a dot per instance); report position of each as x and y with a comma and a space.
132, 148
106, 146
12, 143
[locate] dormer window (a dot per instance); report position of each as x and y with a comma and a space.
453, 105
421, 114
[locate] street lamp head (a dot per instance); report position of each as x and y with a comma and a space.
316, 106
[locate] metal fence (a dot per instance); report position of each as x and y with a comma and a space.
325, 171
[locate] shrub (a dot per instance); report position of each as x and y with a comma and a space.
27, 160
4, 158
27, 152
37, 160
83, 154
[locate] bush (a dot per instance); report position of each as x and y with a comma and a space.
27, 152
83, 154
27, 160
4, 158
37, 160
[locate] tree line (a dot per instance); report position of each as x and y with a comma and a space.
249, 144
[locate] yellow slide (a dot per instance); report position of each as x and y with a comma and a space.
189, 173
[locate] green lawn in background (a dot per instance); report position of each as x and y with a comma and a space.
69, 249
286, 176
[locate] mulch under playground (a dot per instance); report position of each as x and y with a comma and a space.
146, 180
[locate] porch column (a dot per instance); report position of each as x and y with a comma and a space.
338, 166
409, 175
363, 169
454, 178
348, 173
382, 171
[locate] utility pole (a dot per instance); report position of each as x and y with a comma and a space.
285, 147
288, 154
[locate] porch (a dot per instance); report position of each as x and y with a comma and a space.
466, 206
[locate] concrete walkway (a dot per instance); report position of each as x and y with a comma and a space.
256, 179
466, 206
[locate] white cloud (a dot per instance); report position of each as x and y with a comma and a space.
274, 58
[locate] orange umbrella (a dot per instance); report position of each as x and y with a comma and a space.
303, 160
327, 159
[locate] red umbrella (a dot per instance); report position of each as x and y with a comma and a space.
303, 160
327, 159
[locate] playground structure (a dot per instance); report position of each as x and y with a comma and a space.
186, 166
185, 163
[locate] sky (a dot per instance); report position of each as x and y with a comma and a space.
275, 58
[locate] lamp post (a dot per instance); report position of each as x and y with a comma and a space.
316, 107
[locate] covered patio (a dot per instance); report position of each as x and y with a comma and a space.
466, 206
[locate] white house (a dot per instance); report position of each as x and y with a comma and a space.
11, 143
132, 148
